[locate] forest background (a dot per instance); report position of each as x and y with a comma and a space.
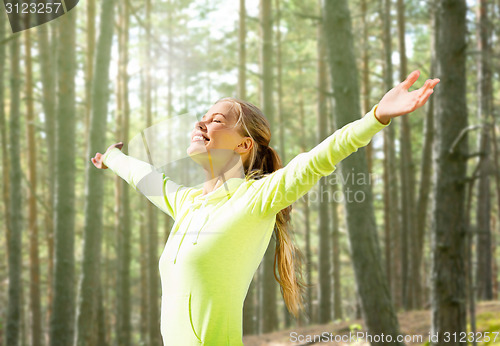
80, 249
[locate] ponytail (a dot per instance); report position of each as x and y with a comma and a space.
287, 257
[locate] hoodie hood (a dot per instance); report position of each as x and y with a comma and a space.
197, 222
225, 191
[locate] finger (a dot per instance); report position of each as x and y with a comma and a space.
412, 78
428, 85
426, 91
423, 99
432, 83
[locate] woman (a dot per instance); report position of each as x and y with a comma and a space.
222, 230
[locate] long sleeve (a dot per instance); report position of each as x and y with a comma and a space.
143, 177
284, 186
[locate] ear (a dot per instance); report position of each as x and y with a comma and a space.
245, 145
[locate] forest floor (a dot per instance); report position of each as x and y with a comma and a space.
413, 324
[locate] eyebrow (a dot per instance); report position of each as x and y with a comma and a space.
215, 114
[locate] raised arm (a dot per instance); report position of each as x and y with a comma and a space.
143, 177
283, 187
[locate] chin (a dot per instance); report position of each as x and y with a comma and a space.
196, 148
198, 153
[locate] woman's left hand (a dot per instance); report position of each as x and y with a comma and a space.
399, 101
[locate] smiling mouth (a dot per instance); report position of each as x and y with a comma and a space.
200, 138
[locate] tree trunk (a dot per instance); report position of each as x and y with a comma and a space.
311, 316
448, 233
154, 274
366, 88
391, 190
324, 270
407, 182
242, 69
119, 188
338, 313
89, 68
484, 288
267, 59
14, 307
143, 259
123, 305
336, 265
101, 317
336, 249
470, 285
5, 163
168, 219
63, 311
268, 319
35, 305
47, 62
497, 184
497, 192
422, 203
307, 230
89, 282
424, 187
279, 80
372, 286
143, 247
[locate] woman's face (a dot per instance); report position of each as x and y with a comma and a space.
217, 130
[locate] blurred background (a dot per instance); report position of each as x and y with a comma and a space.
400, 239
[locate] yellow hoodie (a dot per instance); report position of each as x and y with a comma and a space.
219, 239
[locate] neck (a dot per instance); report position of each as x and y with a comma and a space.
217, 176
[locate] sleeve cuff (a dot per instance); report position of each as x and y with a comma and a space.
110, 155
370, 125
375, 111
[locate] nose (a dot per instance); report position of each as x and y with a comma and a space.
199, 125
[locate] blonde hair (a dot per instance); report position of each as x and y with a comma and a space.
262, 161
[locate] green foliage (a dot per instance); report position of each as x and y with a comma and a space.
355, 327
489, 322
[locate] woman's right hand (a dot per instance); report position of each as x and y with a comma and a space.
97, 159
